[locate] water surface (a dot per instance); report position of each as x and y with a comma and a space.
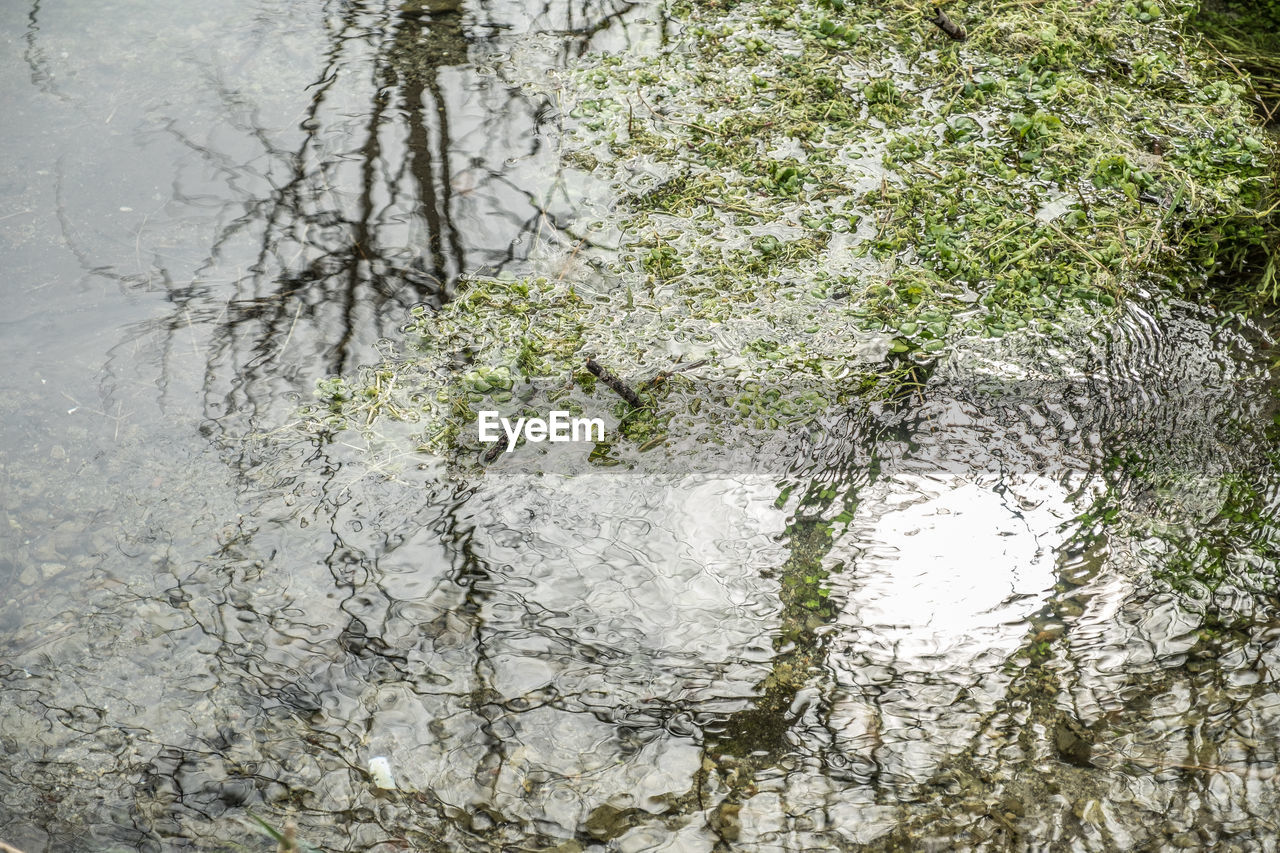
1033, 603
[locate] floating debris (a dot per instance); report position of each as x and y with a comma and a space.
380, 772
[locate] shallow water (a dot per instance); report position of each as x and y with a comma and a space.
1034, 605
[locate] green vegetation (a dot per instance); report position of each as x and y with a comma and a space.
1247, 36
1216, 529
820, 198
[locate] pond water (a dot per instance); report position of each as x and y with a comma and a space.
1032, 605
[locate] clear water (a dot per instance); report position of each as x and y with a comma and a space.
1033, 606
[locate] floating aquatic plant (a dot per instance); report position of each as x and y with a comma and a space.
817, 198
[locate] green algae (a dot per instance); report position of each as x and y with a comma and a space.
819, 199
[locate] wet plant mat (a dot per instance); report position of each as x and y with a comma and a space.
817, 201
1246, 38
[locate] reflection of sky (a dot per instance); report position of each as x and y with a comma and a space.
950, 556
948, 567
178, 206
659, 570
622, 598
622, 595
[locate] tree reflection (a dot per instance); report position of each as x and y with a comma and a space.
446, 168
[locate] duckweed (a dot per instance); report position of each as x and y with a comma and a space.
818, 197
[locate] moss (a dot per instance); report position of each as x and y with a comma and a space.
820, 197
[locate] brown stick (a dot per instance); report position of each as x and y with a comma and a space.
948, 26
619, 387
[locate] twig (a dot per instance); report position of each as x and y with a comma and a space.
619, 387
948, 26
663, 375
287, 337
